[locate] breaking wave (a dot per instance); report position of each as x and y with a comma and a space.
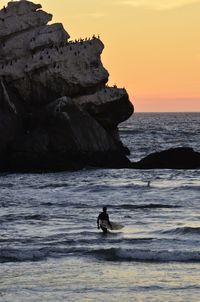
110, 254
118, 254
184, 231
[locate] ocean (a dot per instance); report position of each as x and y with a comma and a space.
51, 249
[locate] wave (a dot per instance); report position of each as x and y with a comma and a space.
131, 131
109, 254
6, 185
52, 185
33, 254
121, 206
21, 217
138, 255
191, 187
183, 231
17, 255
147, 206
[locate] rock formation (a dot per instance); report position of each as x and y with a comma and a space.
56, 111
174, 158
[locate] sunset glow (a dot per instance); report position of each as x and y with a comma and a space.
152, 47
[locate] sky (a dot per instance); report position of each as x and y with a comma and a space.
152, 47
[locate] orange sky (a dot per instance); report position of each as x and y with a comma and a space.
152, 47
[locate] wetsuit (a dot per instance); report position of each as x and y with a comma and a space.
104, 221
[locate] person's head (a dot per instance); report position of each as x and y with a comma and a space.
104, 209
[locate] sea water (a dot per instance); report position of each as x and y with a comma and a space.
51, 249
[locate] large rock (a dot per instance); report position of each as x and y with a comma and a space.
65, 137
56, 111
175, 158
10, 124
39, 61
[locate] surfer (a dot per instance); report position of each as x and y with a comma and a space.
103, 221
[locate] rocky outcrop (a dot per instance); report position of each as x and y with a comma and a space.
56, 111
175, 158
66, 137
9, 124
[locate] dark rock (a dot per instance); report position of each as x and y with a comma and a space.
9, 123
175, 158
64, 137
56, 112
111, 113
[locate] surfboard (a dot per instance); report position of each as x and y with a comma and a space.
115, 225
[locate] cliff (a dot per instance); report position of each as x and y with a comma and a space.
56, 111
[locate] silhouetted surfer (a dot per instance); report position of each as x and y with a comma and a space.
103, 221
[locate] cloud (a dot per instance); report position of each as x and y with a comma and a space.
158, 4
